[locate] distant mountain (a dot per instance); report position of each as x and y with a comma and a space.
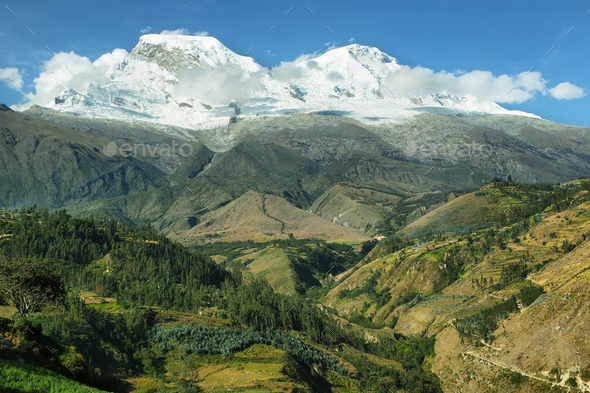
337, 168
321, 133
198, 83
206, 182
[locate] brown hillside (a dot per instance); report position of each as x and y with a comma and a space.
462, 210
262, 217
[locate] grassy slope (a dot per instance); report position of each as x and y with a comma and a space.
460, 211
274, 265
353, 205
23, 378
262, 217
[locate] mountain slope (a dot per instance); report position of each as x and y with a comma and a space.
438, 284
50, 165
302, 157
461, 211
263, 217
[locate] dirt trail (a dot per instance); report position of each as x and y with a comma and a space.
505, 366
269, 216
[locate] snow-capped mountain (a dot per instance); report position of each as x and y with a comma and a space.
197, 82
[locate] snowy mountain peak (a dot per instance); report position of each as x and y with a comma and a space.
187, 41
166, 74
359, 62
174, 53
205, 51
365, 54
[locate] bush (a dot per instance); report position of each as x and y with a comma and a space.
516, 378
571, 382
74, 361
26, 328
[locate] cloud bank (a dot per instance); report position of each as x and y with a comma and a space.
69, 70
482, 85
218, 85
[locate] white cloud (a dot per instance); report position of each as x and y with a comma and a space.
146, 30
12, 77
183, 31
218, 85
567, 91
482, 85
69, 70
334, 76
351, 40
312, 64
289, 71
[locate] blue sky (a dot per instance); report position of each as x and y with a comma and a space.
501, 37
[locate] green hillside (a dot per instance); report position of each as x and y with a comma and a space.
23, 378
150, 336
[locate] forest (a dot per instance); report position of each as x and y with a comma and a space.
147, 274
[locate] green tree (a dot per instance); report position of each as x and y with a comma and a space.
29, 283
184, 370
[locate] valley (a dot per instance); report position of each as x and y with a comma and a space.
424, 283
316, 235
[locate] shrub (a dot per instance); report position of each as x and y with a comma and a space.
5, 325
74, 361
26, 328
571, 382
516, 378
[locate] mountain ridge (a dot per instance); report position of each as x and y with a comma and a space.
156, 84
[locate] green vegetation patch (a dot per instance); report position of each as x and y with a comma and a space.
210, 340
482, 324
24, 378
